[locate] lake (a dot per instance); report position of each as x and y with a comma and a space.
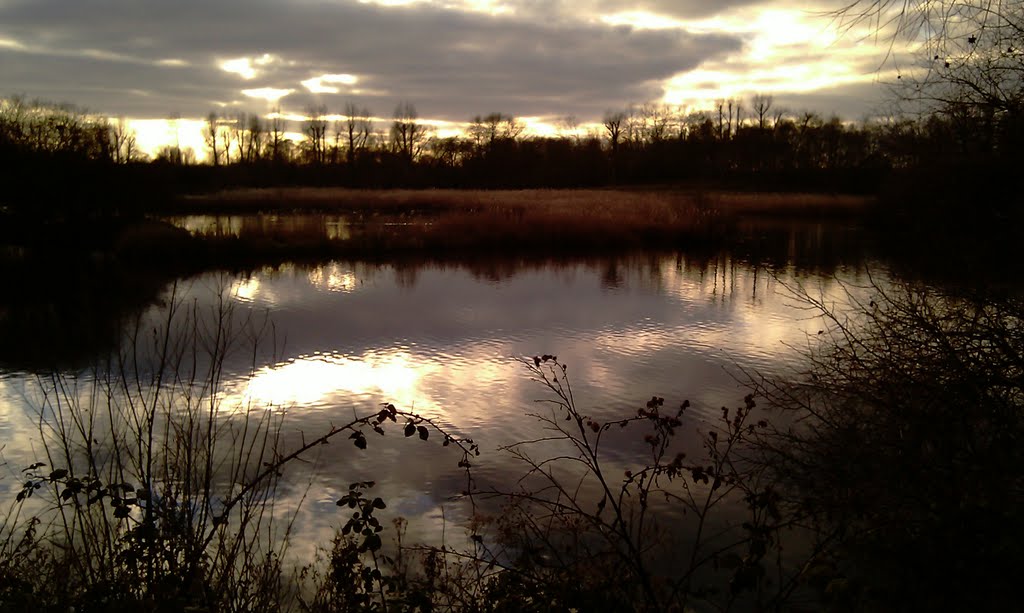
448, 340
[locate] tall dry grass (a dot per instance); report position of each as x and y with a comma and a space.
437, 222
578, 202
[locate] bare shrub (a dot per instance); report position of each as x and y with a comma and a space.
666, 527
156, 488
904, 449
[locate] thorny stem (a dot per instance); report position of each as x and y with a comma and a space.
274, 468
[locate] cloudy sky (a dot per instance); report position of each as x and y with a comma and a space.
537, 59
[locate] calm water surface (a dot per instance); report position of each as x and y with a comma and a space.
447, 342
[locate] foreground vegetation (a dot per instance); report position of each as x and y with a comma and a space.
886, 476
907, 453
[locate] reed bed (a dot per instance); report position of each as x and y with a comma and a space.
584, 202
387, 223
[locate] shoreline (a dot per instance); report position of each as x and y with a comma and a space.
433, 224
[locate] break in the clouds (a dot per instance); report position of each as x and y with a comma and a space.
453, 60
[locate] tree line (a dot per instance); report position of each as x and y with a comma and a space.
754, 143
650, 142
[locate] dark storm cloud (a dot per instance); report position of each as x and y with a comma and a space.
449, 64
117, 88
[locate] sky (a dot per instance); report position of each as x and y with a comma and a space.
539, 60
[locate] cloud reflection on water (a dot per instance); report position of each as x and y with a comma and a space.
312, 381
353, 336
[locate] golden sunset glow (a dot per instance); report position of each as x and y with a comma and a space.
334, 277
153, 134
247, 289
537, 126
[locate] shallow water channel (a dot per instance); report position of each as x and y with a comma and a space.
447, 341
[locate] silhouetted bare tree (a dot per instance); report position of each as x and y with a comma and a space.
407, 133
257, 141
486, 131
613, 126
275, 136
971, 64
316, 134
570, 126
761, 105
358, 128
123, 142
211, 138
